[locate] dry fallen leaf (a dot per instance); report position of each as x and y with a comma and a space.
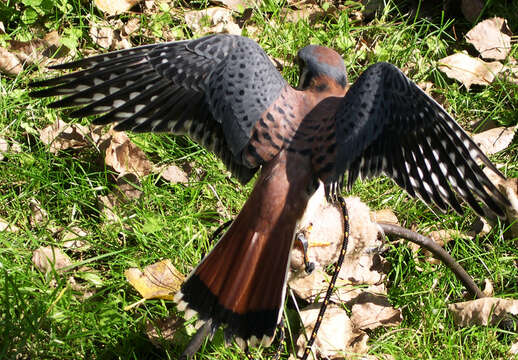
48, 258
469, 70
114, 7
10, 146
309, 287
363, 271
158, 281
62, 136
371, 311
46, 51
509, 188
491, 38
72, 239
488, 288
124, 156
385, 216
237, 5
489, 310
4, 147
310, 13
106, 205
10, 64
6, 226
38, 214
131, 26
494, 140
212, 20
128, 187
514, 349
163, 329
108, 37
337, 335
173, 174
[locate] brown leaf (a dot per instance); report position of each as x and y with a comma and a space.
125, 157
494, 140
362, 265
371, 311
491, 38
469, 70
38, 214
114, 7
158, 281
385, 216
73, 233
4, 147
107, 37
131, 26
509, 188
173, 174
163, 329
128, 187
212, 20
236, 5
107, 204
489, 310
10, 64
488, 288
85, 290
46, 51
337, 335
444, 236
48, 258
6, 226
72, 239
310, 13
310, 286
62, 136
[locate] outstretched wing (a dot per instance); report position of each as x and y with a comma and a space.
387, 124
213, 89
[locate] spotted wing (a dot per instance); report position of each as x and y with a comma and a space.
387, 124
213, 89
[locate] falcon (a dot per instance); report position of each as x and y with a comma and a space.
223, 92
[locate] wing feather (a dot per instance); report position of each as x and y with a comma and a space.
218, 83
387, 124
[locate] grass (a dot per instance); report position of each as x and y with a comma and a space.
42, 317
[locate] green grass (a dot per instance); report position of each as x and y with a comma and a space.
42, 317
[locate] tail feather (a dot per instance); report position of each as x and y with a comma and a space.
241, 282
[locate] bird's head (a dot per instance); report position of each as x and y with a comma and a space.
318, 65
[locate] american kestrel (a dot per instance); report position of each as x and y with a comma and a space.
223, 91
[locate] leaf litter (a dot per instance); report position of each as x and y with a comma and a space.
361, 281
491, 38
469, 70
44, 52
157, 281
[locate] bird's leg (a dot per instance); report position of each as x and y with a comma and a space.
332, 283
309, 266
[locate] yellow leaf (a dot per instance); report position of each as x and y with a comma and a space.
158, 281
